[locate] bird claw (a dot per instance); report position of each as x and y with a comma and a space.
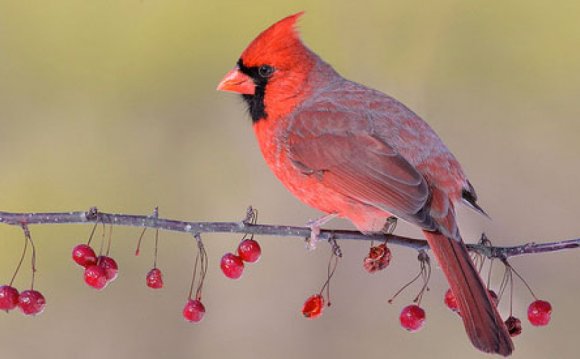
314, 226
314, 238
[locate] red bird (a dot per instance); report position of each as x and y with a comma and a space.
354, 152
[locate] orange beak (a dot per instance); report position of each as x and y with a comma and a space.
236, 81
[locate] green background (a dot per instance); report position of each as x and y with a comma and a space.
113, 104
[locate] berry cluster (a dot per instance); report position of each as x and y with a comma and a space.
539, 312
30, 302
99, 271
233, 265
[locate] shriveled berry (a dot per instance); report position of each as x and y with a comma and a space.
96, 276
249, 250
232, 266
412, 318
313, 306
451, 301
494, 297
110, 266
514, 326
31, 302
540, 313
84, 255
8, 297
378, 259
193, 311
155, 278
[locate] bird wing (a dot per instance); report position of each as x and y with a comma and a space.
343, 153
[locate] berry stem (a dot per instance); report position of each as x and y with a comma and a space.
138, 250
110, 240
93, 232
28, 238
335, 255
505, 261
156, 246
20, 261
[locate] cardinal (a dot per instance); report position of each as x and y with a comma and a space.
356, 153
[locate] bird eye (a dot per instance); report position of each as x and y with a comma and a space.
265, 71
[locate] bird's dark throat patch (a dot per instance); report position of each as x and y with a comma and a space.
255, 102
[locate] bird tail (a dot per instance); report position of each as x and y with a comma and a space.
483, 324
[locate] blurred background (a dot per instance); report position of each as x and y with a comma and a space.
113, 104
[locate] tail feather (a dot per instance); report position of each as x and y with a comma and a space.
483, 324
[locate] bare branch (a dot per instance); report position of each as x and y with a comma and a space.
152, 221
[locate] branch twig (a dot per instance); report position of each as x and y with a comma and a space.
94, 216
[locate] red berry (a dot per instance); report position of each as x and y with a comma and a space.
96, 276
539, 313
31, 302
494, 297
313, 306
232, 266
514, 326
193, 311
110, 267
8, 297
155, 279
451, 301
84, 255
249, 250
378, 259
412, 318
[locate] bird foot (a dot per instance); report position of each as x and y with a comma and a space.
314, 226
390, 225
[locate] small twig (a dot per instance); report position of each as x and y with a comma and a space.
93, 216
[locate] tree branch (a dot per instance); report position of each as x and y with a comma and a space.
152, 221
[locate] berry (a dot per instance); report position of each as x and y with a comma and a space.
539, 313
451, 301
84, 255
193, 311
313, 306
249, 250
514, 326
232, 266
412, 318
96, 276
8, 297
155, 279
31, 302
110, 267
494, 297
378, 259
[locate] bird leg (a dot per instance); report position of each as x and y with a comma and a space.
314, 226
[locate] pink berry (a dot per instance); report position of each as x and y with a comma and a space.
412, 318
249, 250
514, 326
8, 297
96, 276
232, 266
193, 311
31, 302
539, 313
451, 301
110, 267
155, 279
84, 255
313, 306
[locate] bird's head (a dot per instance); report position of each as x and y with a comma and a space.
272, 71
